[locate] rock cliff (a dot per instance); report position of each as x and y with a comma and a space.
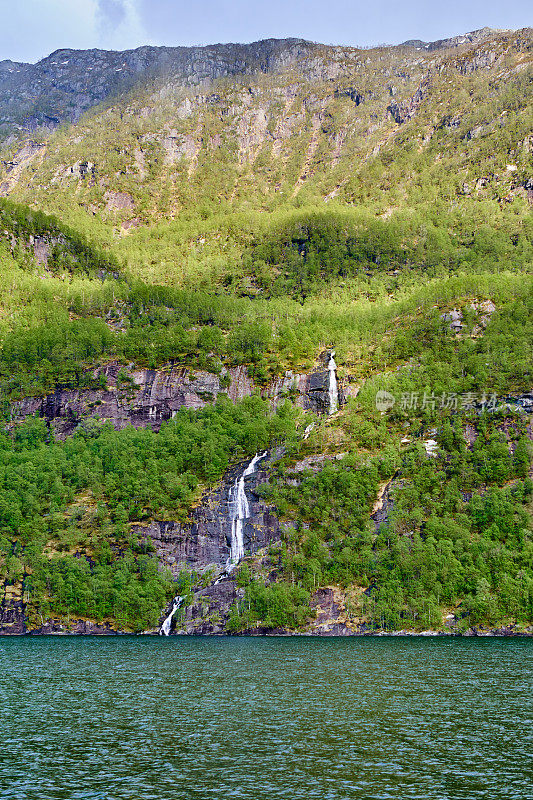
66, 83
132, 396
142, 397
203, 544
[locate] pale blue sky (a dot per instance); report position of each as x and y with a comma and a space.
31, 29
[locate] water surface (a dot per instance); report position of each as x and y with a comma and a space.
132, 718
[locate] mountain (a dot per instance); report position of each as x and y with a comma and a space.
271, 299
474, 37
62, 86
286, 122
68, 82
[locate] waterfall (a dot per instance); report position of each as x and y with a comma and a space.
308, 430
165, 627
239, 512
333, 389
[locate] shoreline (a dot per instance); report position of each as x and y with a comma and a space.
471, 633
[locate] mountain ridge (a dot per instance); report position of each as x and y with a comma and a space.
48, 94
472, 37
335, 127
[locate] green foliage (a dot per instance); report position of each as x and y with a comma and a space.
277, 605
304, 251
70, 251
65, 507
443, 546
431, 360
232, 257
33, 361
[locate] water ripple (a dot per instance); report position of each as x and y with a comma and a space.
134, 718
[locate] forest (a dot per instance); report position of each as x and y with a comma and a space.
458, 538
65, 507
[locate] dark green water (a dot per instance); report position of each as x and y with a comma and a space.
325, 719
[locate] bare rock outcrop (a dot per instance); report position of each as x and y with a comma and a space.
137, 397
148, 397
203, 544
308, 390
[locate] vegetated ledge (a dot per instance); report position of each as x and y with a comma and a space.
13, 622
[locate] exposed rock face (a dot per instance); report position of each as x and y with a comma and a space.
81, 169
384, 503
76, 627
136, 397
204, 543
310, 392
149, 397
279, 102
12, 619
209, 612
40, 247
404, 111
68, 82
210, 609
13, 623
74, 80
330, 617
119, 201
21, 159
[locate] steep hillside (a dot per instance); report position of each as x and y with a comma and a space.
266, 338
68, 82
439, 131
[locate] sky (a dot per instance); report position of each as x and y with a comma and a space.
32, 29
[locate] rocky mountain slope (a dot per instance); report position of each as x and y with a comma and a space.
201, 137
62, 86
245, 106
68, 82
317, 257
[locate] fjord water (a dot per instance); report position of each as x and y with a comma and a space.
323, 719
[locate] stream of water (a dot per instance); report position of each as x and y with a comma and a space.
167, 624
239, 510
333, 388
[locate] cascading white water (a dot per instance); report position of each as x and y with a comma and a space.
239, 512
165, 627
333, 388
